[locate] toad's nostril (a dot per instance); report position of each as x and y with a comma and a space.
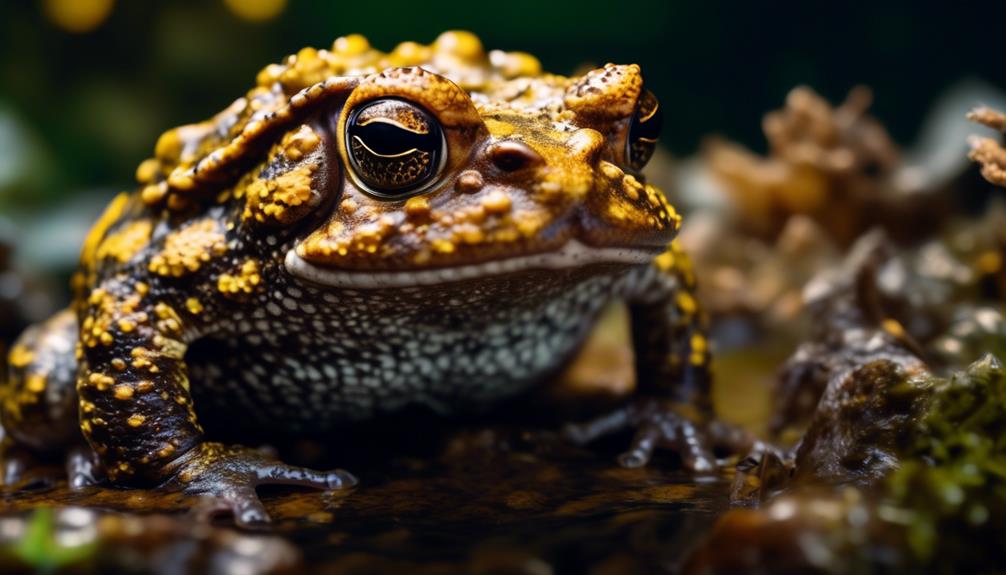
512, 156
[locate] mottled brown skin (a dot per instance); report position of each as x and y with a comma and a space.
238, 217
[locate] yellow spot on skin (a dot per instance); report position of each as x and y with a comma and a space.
496, 202
348, 206
469, 233
699, 344
142, 289
168, 321
144, 386
351, 45
147, 171
670, 213
462, 44
417, 208
499, 129
124, 391
655, 198
244, 281
136, 420
20, 356
294, 187
517, 64
632, 187
194, 306
130, 304
686, 303
88, 252
119, 364
125, 243
35, 383
303, 69
665, 261
409, 54
142, 359
100, 381
126, 325
154, 193
529, 223
611, 171
618, 213
442, 245
102, 309
295, 145
187, 249
274, 200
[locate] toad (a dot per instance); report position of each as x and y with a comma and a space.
363, 232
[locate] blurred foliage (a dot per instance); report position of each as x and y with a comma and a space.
87, 85
40, 548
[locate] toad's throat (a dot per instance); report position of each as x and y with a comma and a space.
572, 254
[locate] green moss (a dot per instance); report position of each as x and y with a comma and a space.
952, 478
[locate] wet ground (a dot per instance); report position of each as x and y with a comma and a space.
484, 505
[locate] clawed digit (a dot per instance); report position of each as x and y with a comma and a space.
665, 425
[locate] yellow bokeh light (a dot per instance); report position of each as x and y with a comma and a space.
78, 15
256, 10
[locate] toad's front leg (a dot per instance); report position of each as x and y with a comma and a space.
137, 413
671, 407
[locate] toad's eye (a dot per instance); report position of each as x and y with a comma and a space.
644, 131
395, 147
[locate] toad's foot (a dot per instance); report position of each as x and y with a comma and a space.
14, 465
669, 425
228, 476
82, 467
20, 469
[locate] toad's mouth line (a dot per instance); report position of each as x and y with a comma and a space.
572, 254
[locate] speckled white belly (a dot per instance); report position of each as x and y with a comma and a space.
352, 354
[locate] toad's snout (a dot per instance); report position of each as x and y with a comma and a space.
571, 178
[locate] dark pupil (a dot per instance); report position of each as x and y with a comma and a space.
390, 140
390, 158
644, 132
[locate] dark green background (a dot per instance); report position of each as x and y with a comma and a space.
90, 106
